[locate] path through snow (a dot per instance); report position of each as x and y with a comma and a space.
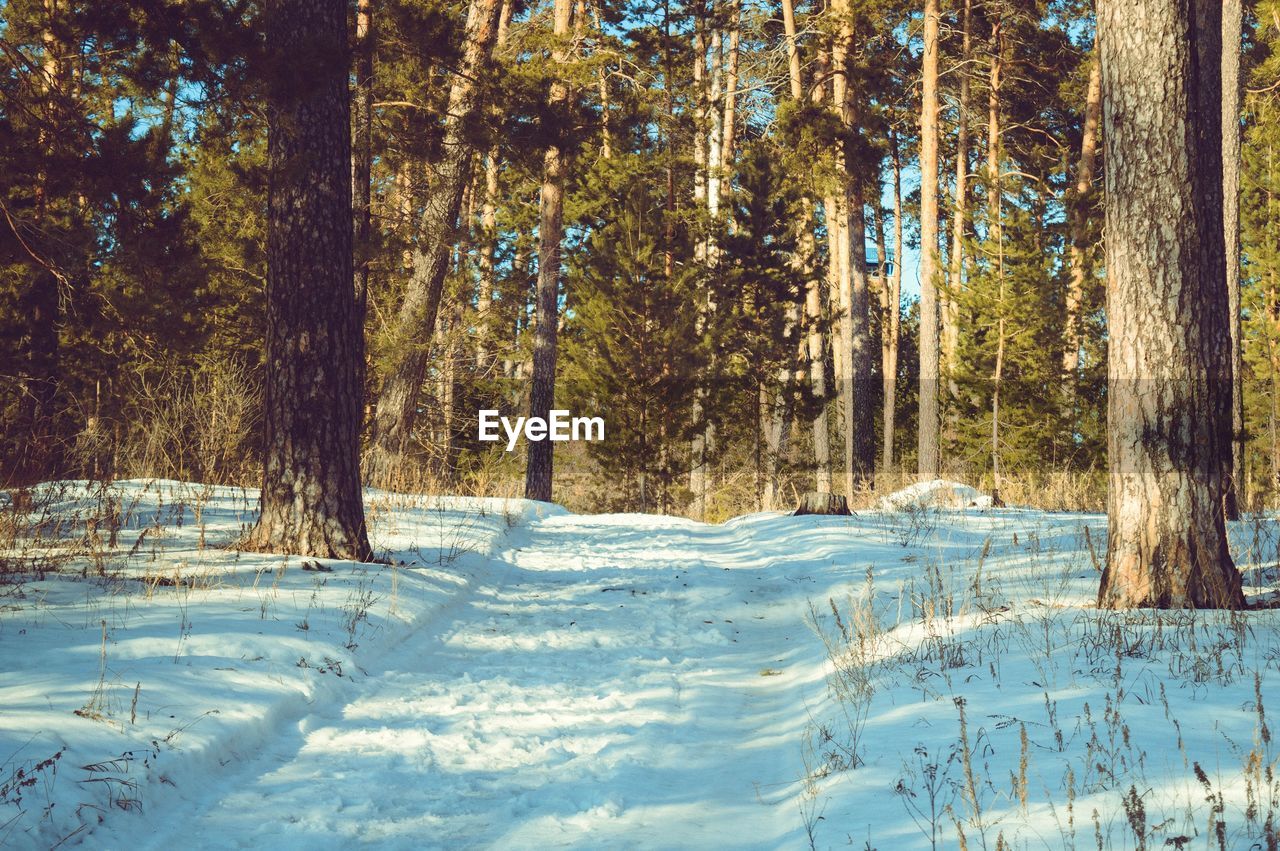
615, 678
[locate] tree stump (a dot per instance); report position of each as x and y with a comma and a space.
814, 502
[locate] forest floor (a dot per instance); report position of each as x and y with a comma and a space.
521, 677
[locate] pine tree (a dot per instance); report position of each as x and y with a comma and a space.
1169, 388
311, 500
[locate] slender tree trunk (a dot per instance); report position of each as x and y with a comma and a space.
993, 126
995, 224
731, 86
1169, 366
959, 219
36, 430
412, 330
927, 436
311, 501
362, 144
1232, 32
807, 252
893, 314
488, 259
859, 413
860, 444
538, 473
1081, 202
361, 172
701, 179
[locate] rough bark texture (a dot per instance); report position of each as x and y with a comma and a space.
538, 473
927, 435
1232, 32
1169, 370
311, 500
1081, 201
415, 324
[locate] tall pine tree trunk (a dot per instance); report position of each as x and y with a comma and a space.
995, 238
488, 259
362, 148
959, 219
1232, 26
893, 315
1169, 365
311, 500
538, 473
412, 330
1081, 201
927, 435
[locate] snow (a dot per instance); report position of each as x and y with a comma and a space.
530, 678
938, 493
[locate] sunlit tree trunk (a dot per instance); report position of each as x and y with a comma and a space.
959, 218
538, 473
1169, 366
927, 436
1232, 32
1081, 201
893, 313
995, 238
412, 330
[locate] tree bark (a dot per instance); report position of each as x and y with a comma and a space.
959, 219
1232, 32
413, 328
927, 434
893, 313
311, 501
995, 235
362, 145
1169, 368
489, 225
538, 472
854, 296
1081, 201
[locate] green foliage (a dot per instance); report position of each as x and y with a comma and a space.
632, 355
1260, 245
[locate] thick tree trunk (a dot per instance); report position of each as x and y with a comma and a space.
1081, 201
927, 435
413, 328
311, 499
1232, 32
1169, 368
538, 473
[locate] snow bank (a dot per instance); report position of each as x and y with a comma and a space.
938, 493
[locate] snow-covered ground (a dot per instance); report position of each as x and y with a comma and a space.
528, 678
